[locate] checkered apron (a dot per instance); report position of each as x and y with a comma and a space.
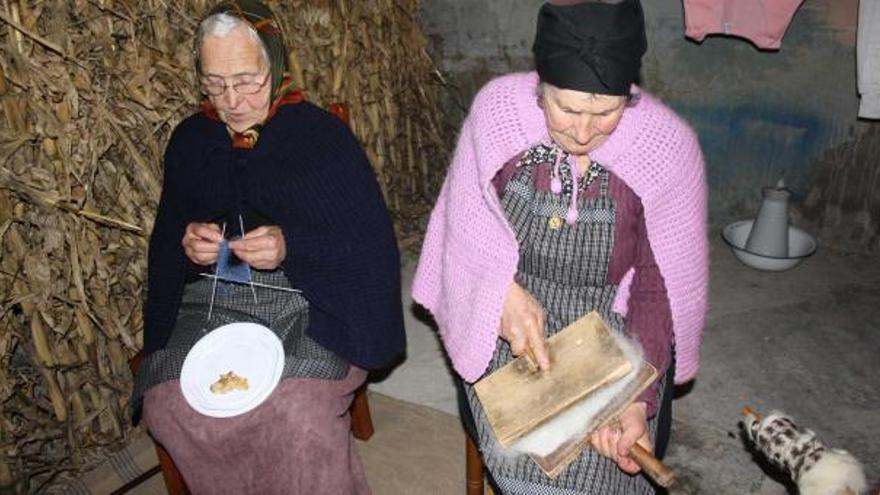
285, 313
565, 268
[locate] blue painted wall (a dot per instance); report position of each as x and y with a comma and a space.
760, 115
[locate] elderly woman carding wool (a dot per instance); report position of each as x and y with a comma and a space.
572, 190
290, 184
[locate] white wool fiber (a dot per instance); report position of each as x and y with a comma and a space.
837, 472
574, 421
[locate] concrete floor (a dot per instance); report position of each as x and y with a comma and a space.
806, 341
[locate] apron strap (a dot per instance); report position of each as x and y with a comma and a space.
603, 182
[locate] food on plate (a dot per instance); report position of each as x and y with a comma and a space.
229, 382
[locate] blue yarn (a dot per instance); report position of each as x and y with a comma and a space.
230, 267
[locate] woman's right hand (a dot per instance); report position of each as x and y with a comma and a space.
201, 242
522, 325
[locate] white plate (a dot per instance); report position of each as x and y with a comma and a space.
250, 350
248, 347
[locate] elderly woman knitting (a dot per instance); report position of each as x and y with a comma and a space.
572, 190
282, 185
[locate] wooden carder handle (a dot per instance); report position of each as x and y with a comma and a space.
653, 467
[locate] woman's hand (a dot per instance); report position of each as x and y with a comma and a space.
522, 325
614, 442
201, 242
262, 248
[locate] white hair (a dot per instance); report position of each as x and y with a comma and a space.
220, 25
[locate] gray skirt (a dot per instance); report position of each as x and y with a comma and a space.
285, 313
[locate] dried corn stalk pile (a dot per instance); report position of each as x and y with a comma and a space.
89, 92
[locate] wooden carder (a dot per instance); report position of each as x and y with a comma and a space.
584, 358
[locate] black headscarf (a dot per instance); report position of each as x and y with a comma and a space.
591, 47
263, 21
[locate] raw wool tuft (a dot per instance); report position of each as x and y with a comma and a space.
573, 423
838, 470
89, 93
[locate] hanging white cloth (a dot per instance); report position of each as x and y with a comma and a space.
868, 59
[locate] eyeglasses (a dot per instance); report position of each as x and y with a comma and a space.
214, 88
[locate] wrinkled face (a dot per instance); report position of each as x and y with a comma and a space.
236, 58
580, 122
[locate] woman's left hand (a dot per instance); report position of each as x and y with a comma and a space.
614, 443
262, 248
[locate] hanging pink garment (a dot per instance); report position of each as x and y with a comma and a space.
763, 22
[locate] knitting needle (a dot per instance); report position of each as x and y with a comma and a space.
255, 284
241, 229
214, 286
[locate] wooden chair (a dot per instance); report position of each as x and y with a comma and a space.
361, 428
473, 467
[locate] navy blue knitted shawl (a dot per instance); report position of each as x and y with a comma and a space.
309, 175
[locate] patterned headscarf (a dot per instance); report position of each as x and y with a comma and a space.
263, 21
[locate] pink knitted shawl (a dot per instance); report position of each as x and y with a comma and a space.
470, 253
